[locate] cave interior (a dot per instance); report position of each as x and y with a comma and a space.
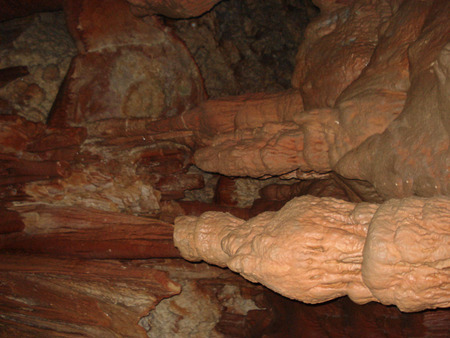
121, 118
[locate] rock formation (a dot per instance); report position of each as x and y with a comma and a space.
366, 120
360, 123
358, 138
317, 249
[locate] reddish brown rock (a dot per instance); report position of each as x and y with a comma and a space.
172, 209
342, 318
315, 249
31, 152
173, 8
87, 233
41, 294
328, 187
225, 191
213, 302
11, 221
127, 67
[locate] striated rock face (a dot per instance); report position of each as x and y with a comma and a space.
213, 303
316, 249
42, 294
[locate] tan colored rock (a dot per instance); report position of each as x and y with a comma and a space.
371, 102
314, 249
407, 253
338, 45
412, 155
295, 252
264, 137
388, 128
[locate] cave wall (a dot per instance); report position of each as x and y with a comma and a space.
131, 125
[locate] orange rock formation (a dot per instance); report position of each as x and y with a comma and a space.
316, 249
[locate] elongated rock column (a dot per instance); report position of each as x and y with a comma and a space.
316, 249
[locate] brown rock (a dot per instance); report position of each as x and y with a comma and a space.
173, 9
51, 73
8, 75
11, 221
213, 302
328, 187
225, 191
42, 294
126, 67
33, 95
87, 233
172, 187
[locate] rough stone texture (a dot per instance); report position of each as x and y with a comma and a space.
412, 155
239, 48
337, 47
213, 303
380, 129
134, 168
134, 68
274, 147
312, 249
406, 254
42, 44
325, 187
343, 318
172, 8
371, 102
58, 167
